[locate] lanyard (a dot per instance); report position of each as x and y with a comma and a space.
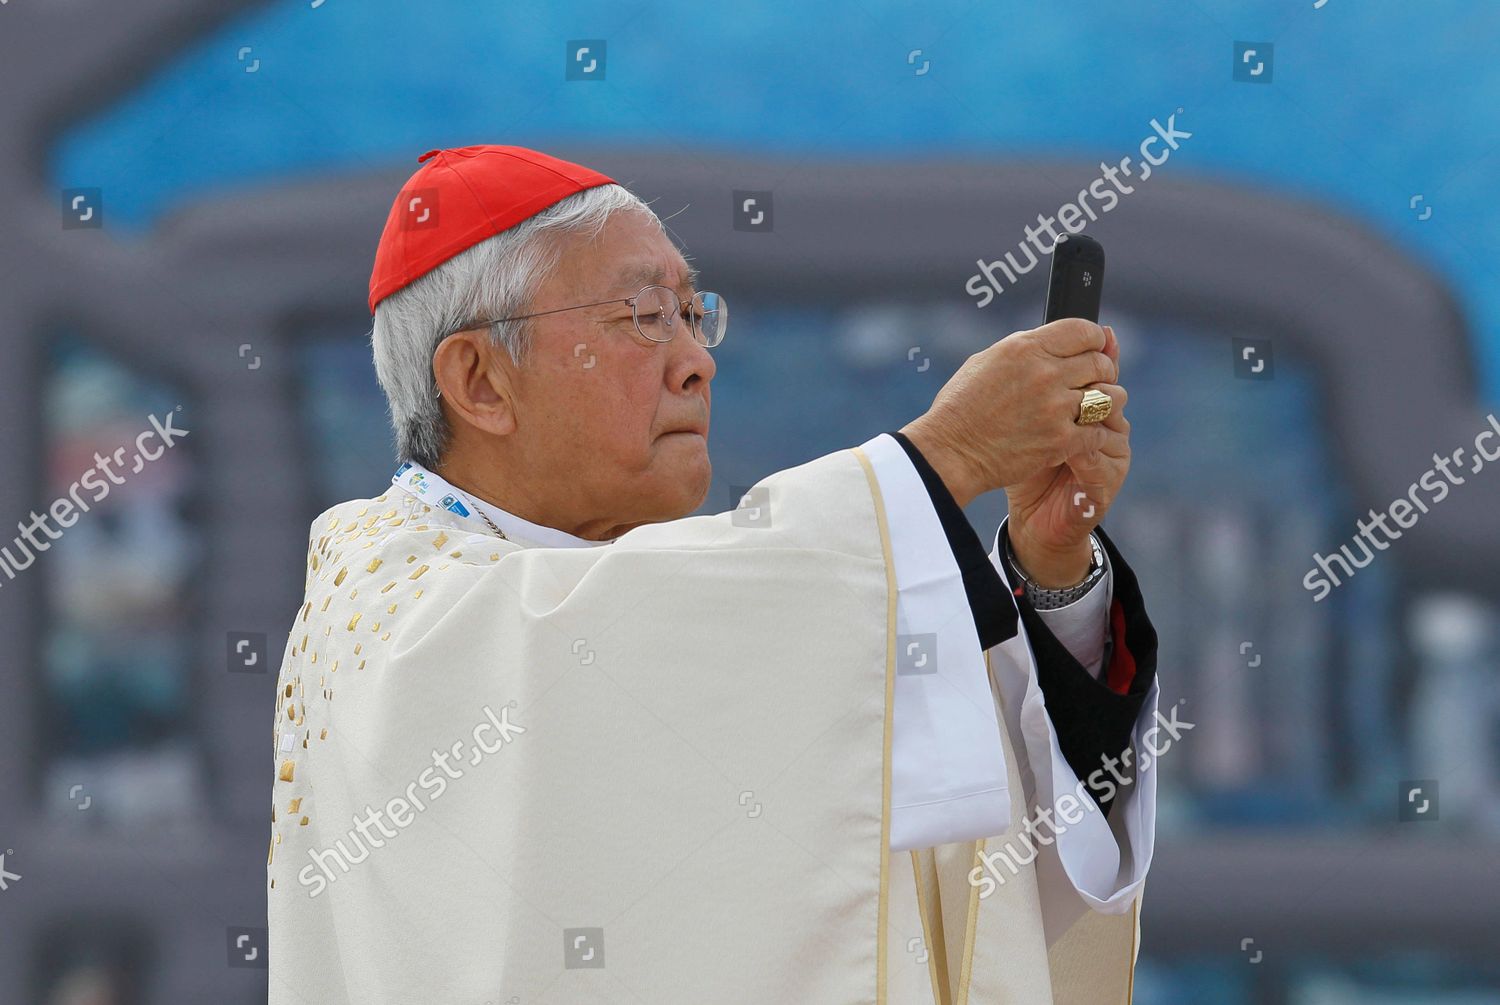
435, 490
427, 486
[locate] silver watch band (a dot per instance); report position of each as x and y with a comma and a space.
1046, 599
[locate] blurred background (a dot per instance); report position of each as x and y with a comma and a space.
1304, 290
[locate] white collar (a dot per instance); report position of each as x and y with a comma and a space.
435, 490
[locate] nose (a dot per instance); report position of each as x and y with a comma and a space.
690, 364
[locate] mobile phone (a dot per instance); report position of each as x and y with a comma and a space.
1077, 279
1075, 285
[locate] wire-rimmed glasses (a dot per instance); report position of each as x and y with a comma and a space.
656, 310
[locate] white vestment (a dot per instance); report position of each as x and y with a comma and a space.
701, 764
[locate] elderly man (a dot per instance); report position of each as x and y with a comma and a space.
543, 737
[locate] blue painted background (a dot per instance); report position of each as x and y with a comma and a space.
1371, 103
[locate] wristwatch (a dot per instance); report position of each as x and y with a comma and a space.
1044, 598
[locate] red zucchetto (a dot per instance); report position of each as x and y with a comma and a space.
459, 197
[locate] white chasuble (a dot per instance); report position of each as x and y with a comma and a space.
661, 770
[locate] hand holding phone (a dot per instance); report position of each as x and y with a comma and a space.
1076, 284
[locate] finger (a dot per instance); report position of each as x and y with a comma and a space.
1113, 445
1117, 422
1100, 443
1112, 350
1086, 369
1117, 396
1070, 336
1101, 469
1080, 435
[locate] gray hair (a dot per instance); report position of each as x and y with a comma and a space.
495, 278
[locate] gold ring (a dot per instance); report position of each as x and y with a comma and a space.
1095, 407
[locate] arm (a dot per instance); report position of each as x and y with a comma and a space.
1089, 860
1092, 719
1076, 734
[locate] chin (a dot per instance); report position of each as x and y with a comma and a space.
689, 487
676, 479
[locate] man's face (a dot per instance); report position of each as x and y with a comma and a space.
599, 408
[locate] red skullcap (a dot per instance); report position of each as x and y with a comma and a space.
460, 197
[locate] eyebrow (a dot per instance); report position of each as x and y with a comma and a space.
641, 274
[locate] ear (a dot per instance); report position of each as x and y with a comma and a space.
475, 381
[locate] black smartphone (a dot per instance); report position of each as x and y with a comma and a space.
1077, 279
1074, 287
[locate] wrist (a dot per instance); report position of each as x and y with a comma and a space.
1052, 568
950, 464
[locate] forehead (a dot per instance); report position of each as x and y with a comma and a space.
638, 272
632, 250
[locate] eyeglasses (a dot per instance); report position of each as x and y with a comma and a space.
655, 310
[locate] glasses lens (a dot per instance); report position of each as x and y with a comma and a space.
656, 310
711, 315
